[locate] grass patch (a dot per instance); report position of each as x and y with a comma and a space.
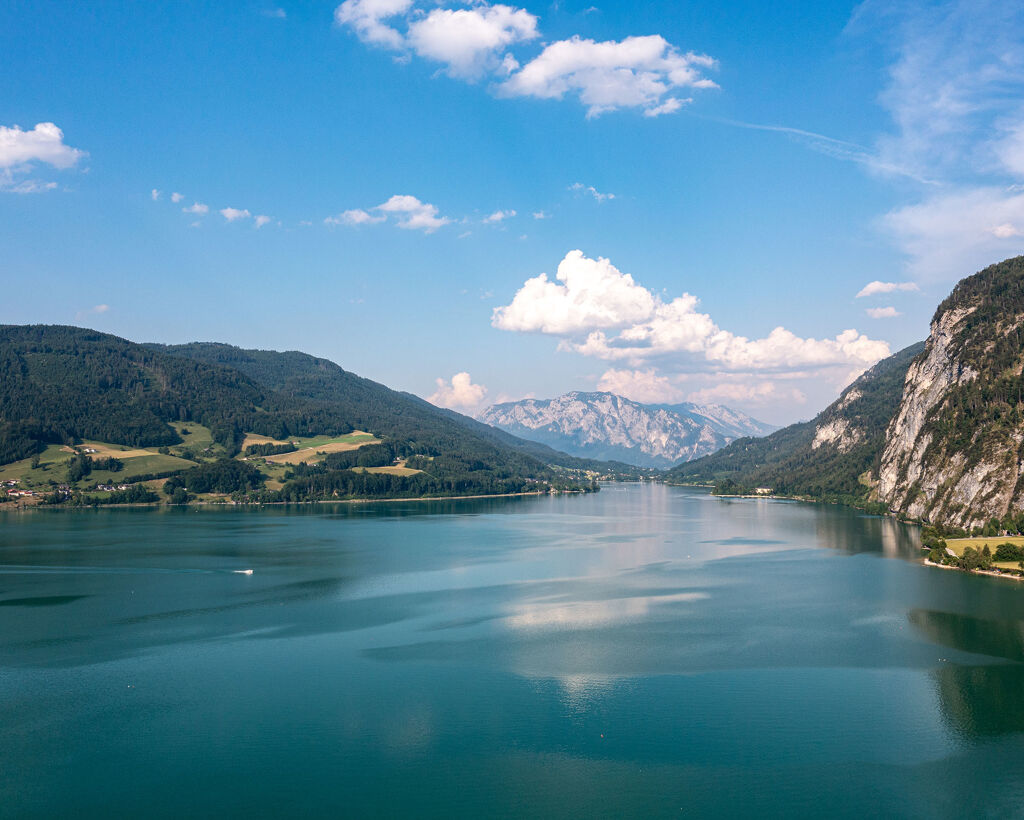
315, 449
194, 436
958, 545
392, 470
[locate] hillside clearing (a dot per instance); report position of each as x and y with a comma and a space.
316, 449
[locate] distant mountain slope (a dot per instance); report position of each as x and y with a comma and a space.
823, 457
605, 426
955, 452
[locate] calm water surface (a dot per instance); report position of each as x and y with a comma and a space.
646, 651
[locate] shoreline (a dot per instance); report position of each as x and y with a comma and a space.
229, 503
989, 572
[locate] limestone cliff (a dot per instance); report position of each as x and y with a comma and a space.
953, 449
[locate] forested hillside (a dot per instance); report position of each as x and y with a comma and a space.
833, 456
62, 385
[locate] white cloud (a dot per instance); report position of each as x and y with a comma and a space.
176, 197
275, 14
367, 18
872, 288
261, 220
645, 386
759, 392
25, 186
458, 394
44, 143
95, 310
588, 294
590, 190
234, 214
20, 149
470, 40
356, 216
955, 86
953, 234
413, 214
196, 208
154, 195
540, 215
637, 72
592, 298
499, 216
1005, 231
883, 312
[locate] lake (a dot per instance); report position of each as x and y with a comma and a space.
643, 651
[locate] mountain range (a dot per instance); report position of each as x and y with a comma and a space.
606, 426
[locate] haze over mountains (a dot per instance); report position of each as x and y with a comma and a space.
606, 426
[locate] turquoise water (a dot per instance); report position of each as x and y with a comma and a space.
645, 651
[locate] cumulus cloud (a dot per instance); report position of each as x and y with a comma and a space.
20, 150
499, 216
261, 220
599, 311
646, 386
234, 214
475, 40
44, 143
637, 72
366, 18
176, 197
876, 287
883, 313
196, 208
414, 215
540, 215
589, 190
470, 40
154, 195
587, 294
458, 394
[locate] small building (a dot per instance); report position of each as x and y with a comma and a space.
763, 490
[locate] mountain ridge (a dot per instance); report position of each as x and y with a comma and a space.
607, 426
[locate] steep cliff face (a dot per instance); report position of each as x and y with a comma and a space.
953, 450
606, 426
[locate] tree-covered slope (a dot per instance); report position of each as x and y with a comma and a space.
63, 384
829, 457
954, 450
371, 406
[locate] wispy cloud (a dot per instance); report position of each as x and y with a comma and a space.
589, 190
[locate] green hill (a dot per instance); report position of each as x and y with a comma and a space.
832, 456
64, 385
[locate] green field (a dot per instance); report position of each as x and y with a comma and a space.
195, 438
958, 545
53, 467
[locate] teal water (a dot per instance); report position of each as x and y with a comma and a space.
645, 651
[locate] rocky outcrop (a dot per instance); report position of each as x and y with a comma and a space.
953, 449
606, 426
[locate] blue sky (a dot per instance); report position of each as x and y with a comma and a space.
386, 181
